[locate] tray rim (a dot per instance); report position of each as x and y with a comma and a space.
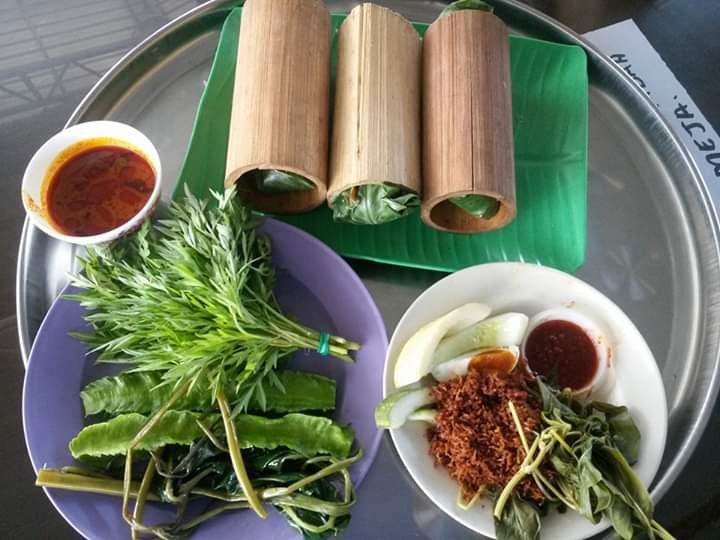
546, 26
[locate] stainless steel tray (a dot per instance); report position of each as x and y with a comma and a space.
652, 234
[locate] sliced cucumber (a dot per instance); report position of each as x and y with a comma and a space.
393, 411
500, 331
416, 357
424, 414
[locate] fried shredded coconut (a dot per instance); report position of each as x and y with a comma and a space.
475, 437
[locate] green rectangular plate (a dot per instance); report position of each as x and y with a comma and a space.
549, 97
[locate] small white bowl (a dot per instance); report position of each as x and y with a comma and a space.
601, 382
36, 176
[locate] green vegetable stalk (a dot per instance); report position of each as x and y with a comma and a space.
303, 488
373, 204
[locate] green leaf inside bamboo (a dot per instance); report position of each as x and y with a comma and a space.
275, 181
460, 5
372, 204
479, 206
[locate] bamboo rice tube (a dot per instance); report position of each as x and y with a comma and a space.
375, 148
468, 162
278, 141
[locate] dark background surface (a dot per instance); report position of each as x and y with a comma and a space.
52, 52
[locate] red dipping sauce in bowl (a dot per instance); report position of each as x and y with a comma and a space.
92, 183
95, 187
563, 352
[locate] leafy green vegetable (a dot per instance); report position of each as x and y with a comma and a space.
520, 520
112, 437
460, 5
274, 181
625, 434
144, 393
589, 445
373, 204
192, 298
594, 498
314, 493
503, 330
478, 206
308, 435
620, 515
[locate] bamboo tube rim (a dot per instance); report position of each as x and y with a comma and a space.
442, 214
437, 211
287, 201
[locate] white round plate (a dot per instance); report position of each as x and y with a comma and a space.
529, 289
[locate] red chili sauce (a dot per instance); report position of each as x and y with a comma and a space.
563, 352
98, 189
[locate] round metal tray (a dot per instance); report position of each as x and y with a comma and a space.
652, 234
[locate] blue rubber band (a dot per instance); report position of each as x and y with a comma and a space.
324, 345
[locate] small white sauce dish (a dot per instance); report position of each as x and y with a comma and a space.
603, 379
37, 176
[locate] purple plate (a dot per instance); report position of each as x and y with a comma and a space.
314, 284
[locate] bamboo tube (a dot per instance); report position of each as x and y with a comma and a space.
376, 132
467, 120
280, 102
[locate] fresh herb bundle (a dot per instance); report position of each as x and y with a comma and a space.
191, 299
590, 447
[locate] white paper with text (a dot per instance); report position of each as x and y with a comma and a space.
628, 47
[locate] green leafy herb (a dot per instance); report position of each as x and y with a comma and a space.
461, 5
274, 181
192, 299
373, 204
590, 446
624, 432
520, 520
143, 392
478, 206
